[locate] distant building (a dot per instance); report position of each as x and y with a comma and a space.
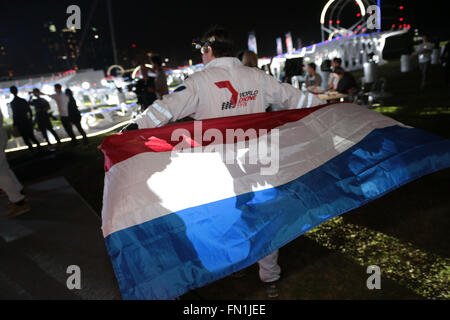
62, 47
5, 59
71, 42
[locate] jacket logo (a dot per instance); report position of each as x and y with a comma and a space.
244, 97
234, 93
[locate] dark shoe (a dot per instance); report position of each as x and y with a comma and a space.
239, 274
272, 290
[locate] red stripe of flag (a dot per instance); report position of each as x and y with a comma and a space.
121, 146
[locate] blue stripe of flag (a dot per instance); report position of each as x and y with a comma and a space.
168, 256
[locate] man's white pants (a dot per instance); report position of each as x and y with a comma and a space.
269, 270
8, 181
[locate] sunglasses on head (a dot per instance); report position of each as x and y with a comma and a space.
201, 45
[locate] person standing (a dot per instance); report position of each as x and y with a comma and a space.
23, 119
160, 79
121, 99
145, 89
62, 102
424, 51
75, 115
42, 118
8, 180
445, 60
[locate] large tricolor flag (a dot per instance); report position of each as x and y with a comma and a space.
175, 220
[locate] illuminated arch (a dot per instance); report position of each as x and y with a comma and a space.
330, 2
114, 66
133, 75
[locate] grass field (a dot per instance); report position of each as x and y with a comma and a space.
404, 232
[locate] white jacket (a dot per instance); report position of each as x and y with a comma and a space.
224, 88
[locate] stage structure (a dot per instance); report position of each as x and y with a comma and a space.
356, 43
352, 41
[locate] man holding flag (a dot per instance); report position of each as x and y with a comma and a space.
221, 90
206, 94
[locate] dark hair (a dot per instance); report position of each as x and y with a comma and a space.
338, 71
57, 86
220, 40
337, 60
69, 92
156, 60
13, 90
240, 55
312, 65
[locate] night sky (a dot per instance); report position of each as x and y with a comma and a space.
167, 27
